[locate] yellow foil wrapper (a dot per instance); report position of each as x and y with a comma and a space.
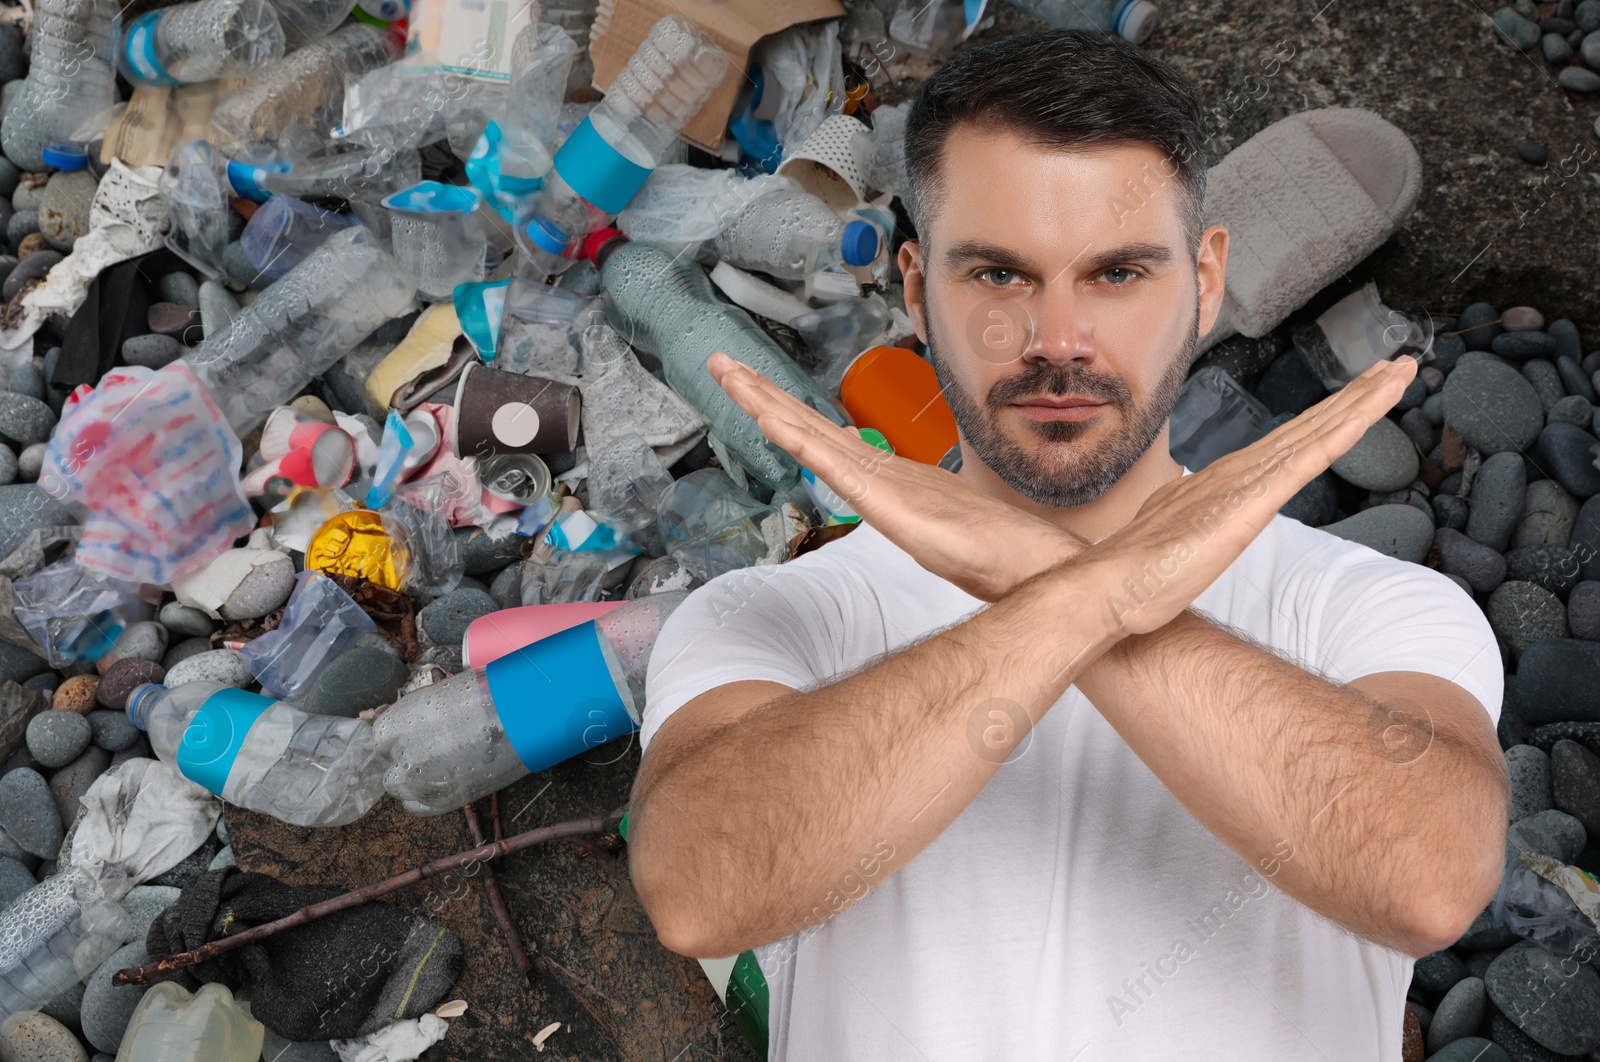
356, 543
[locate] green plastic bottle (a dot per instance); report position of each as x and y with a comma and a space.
740, 985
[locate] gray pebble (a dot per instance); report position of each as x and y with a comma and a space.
367, 675
1583, 611
1499, 492
31, 460
106, 1010
217, 307
28, 379
1587, 15
1521, 319
37, 1037
113, 731
1546, 381
1524, 613
1449, 511
1439, 972
1578, 79
218, 665
482, 555
1575, 782
24, 420
1556, 50
1382, 459
1529, 768
68, 785
178, 287
193, 623
1400, 531
1548, 517
146, 640
64, 209
151, 350
12, 66
507, 587
28, 814
277, 1049
1491, 405
1472, 1049
1459, 1014
1515, 30
144, 904
15, 879
1552, 833
264, 589
1558, 1008
1566, 453
1552, 567
445, 621
184, 650
21, 225
56, 738
1573, 409
28, 196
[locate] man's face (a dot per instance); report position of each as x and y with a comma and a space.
1061, 307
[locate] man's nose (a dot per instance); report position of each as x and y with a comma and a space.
1062, 328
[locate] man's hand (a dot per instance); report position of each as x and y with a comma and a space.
979, 543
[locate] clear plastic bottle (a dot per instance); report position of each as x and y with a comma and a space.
200, 42
261, 754
307, 20
611, 153
285, 231
541, 58
70, 80
172, 1024
56, 933
303, 91
790, 234
300, 326
356, 174
1133, 20
195, 187
665, 305
477, 732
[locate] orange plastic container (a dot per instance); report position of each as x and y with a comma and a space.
897, 392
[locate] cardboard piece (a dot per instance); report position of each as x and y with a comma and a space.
736, 25
157, 118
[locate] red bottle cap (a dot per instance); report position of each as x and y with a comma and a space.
594, 243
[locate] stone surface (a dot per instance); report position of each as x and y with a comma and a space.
1558, 680
1382, 459
1549, 514
68, 785
138, 641
106, 1010
1557, 1007
28, 814
1575, 783
76, 694
24, 420
1491, 405
1553, 833
191, 622
368, 675
1472, 1049
57, 738
1553, 567
264, 589
1459, 1014
1525, 613
64, 209
1583, 611
113, 731
1499, 493
1401, 531
121, 678
151, 350
143, 904
1439, 972
1481, 566
1530, 781
38, 1037
445, 620
218, 665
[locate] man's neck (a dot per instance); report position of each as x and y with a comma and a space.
1093, 520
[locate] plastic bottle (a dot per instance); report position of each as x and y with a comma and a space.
261, 754
56, 933
541, 59
359, 174
665, 305
478, 731
300, 326
200, 42
303, 91
285, 231
790, 234
195, 187
611, 153
307, 20
70, 81
1133, 20
172, 1024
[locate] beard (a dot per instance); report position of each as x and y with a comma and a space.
1051, 474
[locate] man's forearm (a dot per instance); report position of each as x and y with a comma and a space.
770, 824
1370, 806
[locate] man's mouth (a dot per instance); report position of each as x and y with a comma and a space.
1059, 407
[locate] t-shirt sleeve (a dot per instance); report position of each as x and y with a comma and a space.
1384, 614
775, 623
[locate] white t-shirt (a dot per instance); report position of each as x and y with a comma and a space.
1029, 928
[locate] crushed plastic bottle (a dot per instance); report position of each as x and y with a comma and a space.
261, 754
301, 93
611, 153
790, 234
477, 732
200, 42
56, 933
70, 81
346, 172
665, 306
300, 326
172, 1024
285, 230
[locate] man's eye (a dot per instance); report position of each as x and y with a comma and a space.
1119, 276
1000, 278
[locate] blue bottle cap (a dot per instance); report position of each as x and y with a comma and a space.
215, 735
66, 157
545, 236
860, 243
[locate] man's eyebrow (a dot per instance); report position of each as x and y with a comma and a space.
1150, 253
968, 252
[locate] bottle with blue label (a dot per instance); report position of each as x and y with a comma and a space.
611, 153
1132, 20
477, 732
261, 754
201, 42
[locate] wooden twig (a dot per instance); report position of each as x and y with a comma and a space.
497, 902
138, 975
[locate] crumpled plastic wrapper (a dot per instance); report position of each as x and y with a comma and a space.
127, 218
148, 454
621, 397
141, 819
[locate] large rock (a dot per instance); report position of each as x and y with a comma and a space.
106, 1010
1556, 1006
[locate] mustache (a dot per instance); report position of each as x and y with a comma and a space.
1042, 378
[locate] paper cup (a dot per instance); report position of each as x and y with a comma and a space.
830, 163
509, 413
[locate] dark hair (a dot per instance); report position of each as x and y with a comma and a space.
1058, 89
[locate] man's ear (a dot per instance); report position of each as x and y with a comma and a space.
910, 260
1211, 269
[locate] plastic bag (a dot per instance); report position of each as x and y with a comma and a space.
1554, 905
73, 613
804, 64
319, 623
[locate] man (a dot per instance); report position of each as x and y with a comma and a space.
976, 781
